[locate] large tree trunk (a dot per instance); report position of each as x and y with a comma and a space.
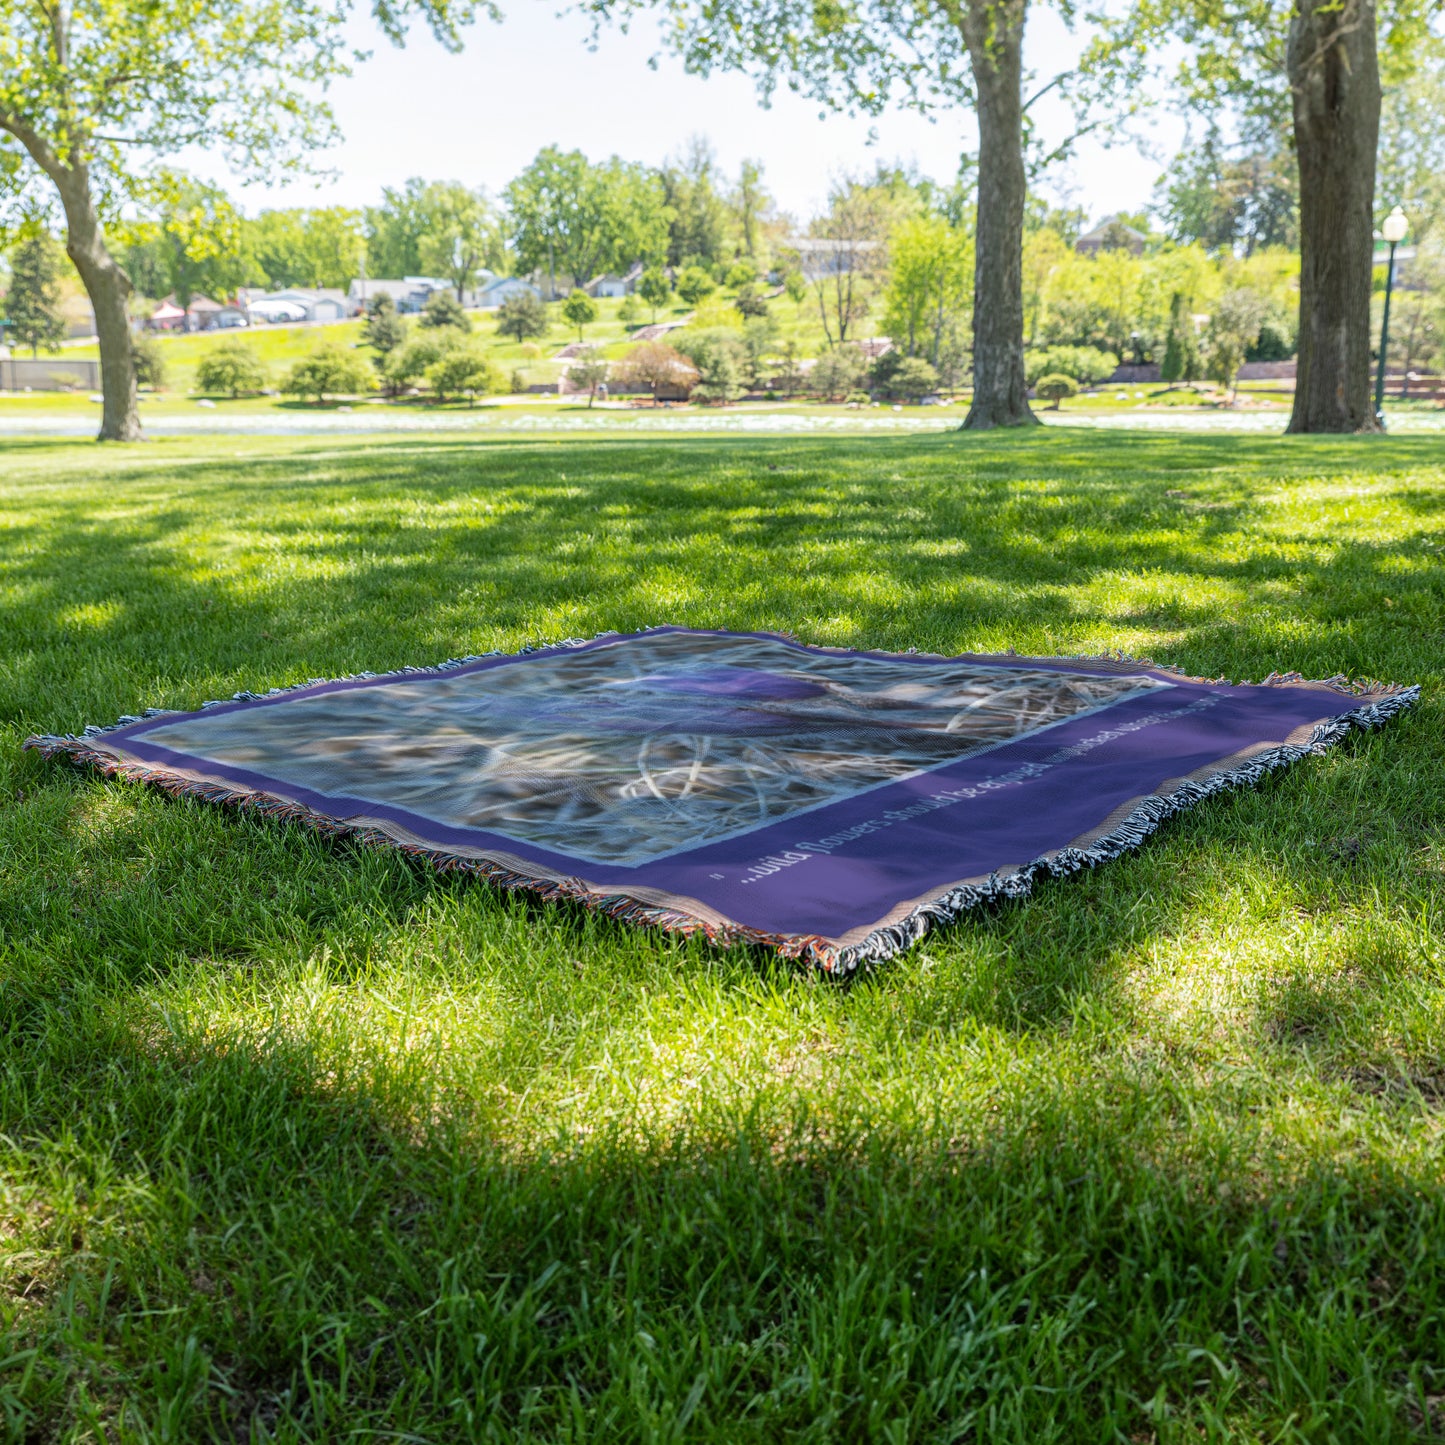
994, 33
109, 289
1335, 86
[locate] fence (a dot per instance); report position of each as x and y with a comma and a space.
48, 373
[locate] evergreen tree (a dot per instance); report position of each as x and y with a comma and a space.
1181, 349
383, 330
521, 316
32, 305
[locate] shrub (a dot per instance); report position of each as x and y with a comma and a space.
1274, 342
721, 361
1055, 388
328, 372
750, 302
742, 273
518, 381
630, 312
408, 364
150, 362
463, 371
914, 378
838, 371
1086, 364
232, 367
695, 285
443, 309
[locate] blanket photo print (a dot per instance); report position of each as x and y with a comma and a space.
832, 804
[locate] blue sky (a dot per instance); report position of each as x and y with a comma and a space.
530, 81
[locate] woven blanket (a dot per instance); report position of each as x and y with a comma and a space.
833, 804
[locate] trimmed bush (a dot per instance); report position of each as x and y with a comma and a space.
232, 368
1056, 388
328, 372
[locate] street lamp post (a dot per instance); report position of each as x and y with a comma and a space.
1396, 224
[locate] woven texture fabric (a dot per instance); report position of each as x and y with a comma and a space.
831, 803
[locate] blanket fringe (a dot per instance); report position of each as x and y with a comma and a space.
1379, 702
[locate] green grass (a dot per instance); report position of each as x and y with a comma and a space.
300, 1141
279, 347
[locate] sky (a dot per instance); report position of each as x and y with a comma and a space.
531, 81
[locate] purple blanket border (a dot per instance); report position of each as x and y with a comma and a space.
1144, 759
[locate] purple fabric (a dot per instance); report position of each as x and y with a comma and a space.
974, 796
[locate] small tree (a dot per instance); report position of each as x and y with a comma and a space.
760, 335
1054, 389
1232, 330
32, 305
749, 302
655, 366
838, 371
463, 371
630, 312
443, 309
407, 364
384, 329
720, 360
328, 372
1086, 364
695, 285
521, 316
231, 368
149, 361
654, 288
588, 371
1181, 346
741, 273
790, 377
796, 285
914, 378
579, 310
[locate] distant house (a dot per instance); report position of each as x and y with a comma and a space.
316, 303
503, 288
168, 316
410, 293
1111, 235
820, 256
615, 286
200, 315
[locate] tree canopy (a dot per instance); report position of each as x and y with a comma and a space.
95, 91
576, 219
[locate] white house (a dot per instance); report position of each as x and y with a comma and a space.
316, 303
819, 256
613, 285
503, 288
409, 293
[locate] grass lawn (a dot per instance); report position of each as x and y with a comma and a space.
280, 347
300, 1141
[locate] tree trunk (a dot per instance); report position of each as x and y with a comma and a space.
109, 289
994, 34
1335, 86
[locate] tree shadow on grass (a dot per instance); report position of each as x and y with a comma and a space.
234, 1242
